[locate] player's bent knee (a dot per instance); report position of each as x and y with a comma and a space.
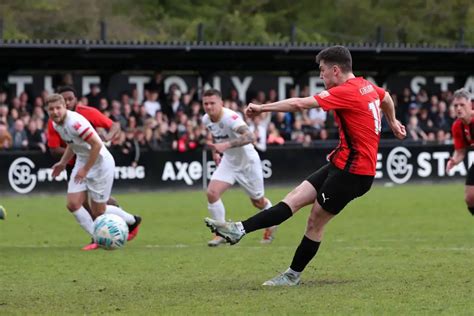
259, 203
73, 206
212, 196
469, 199
112, 201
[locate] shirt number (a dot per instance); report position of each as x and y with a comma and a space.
374, 107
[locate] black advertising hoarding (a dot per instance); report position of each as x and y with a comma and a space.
245, 83
26, 172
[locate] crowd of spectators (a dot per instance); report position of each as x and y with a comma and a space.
173, 120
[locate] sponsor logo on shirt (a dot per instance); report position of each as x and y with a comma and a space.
235, 116
76, 126
324, 94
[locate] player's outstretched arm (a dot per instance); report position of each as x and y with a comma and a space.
287, 105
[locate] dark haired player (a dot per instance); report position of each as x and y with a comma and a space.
350, 171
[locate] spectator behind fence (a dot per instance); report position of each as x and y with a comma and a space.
441, 120
116, 114
297, 134
3, 97
259, 127
316, 119
36, 139
4, 114
5, 137
283, 122
426, 124
274, 137
151, 103
414, 131
161, 138
404, 102
175, 106
20, 140
93, 98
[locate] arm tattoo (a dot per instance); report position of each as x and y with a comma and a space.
246, 137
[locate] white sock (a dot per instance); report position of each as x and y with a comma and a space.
128, 218
267, 205
217, 210
84, 219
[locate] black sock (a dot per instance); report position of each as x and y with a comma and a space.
471, 209
304, 253
275, 215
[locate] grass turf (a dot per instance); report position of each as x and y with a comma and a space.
400, 250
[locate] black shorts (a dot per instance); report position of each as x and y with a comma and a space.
470, 176
336, 187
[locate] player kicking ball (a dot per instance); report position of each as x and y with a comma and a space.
349, 174
93, 172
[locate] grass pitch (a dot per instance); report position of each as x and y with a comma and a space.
400, 250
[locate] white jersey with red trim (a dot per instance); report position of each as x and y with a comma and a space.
225, 130
75, 131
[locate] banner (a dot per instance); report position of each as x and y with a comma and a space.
30, 172
245, 84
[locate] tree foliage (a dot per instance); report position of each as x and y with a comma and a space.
343, 21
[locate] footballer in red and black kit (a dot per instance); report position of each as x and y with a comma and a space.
463, 135
357, 104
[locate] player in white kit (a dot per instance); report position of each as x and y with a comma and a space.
240, 161
93, 173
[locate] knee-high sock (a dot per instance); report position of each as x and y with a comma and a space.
84, 219
275, 215
306, 251
217, 210
471, 209
127, 217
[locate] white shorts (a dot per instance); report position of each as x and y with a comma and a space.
249, 176
98, 182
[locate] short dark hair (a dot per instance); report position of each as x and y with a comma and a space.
67, 89
336, 55
211, 92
